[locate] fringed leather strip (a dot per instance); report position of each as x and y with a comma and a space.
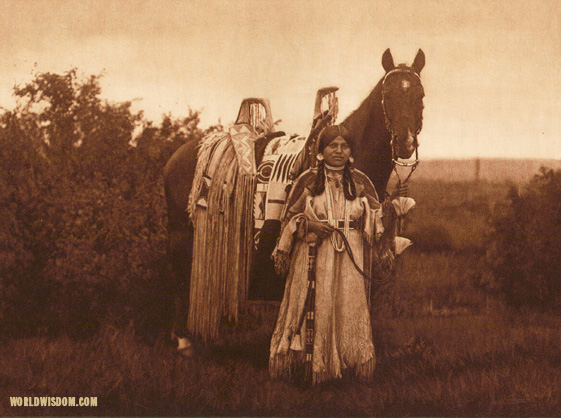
222, 250
309, 312
205, 155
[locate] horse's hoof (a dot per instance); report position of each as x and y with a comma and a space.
185, 348
188, 352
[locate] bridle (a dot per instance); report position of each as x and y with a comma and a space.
395, 158
388, 121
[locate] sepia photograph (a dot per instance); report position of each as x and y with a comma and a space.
260, 208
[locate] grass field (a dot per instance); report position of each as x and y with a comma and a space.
444, 347
486, 169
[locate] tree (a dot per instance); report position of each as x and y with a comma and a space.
84, 238
525, 250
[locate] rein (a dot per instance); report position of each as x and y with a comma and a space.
351, 256
311, 278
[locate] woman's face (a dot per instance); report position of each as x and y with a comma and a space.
337, 152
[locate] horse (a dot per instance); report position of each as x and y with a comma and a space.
385, 128
386, 124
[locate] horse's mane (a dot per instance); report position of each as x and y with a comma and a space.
362, 116
372, 139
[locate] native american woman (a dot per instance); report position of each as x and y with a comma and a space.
323, 328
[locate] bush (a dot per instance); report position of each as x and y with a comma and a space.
83, 234
525, 245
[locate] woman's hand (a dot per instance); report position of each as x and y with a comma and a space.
282, 262
321, 229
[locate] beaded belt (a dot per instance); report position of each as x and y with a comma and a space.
340, 223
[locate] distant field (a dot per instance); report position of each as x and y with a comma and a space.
496, 170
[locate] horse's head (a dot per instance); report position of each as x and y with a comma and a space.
402, 101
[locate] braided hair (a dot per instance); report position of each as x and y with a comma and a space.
349, 187
319, 184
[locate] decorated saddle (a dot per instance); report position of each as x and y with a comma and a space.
274, 176
286, 158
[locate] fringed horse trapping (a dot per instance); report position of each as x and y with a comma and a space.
222, 202
229, 202
220, 208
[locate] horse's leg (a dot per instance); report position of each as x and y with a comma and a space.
264, 283
178, 178
181, 256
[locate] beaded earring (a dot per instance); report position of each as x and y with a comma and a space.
319, 157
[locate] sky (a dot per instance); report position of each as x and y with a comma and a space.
491, 78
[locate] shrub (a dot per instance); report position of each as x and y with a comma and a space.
83, 235
525, 244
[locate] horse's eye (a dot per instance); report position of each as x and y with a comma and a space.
389, 93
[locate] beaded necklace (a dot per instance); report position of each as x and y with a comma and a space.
331, 220
340, 168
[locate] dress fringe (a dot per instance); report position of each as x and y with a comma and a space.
365, 371
290, 367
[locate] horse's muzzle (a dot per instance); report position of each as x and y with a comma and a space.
404, 147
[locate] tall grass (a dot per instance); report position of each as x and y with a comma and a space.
471, 364
443, 346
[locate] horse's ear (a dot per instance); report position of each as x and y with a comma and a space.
419, 62
387, 61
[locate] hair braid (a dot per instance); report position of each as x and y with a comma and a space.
319, 185
349, 187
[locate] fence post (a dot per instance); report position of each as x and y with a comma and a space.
477, 169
